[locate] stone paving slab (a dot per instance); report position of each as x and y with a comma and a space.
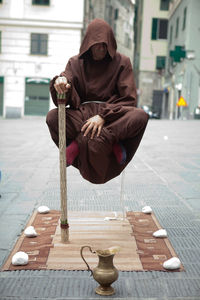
164, 174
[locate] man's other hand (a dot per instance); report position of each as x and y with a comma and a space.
93, 125
61, 85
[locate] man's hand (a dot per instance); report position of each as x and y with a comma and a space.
93, 124
61, 85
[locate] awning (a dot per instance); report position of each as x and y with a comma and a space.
34, 80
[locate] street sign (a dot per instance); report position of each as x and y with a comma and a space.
178, 53
181, 102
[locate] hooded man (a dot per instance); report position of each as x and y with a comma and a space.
103, 126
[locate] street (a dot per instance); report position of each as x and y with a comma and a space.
165, 174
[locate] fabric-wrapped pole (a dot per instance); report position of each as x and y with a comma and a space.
63, 178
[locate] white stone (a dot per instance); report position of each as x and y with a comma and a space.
30, 232
43, 209
172, 263
162, 233
147, 209
20, 259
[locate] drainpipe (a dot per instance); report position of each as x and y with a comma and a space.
172, 98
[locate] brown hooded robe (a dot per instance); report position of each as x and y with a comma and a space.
109, 81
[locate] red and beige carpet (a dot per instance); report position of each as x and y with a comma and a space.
140, 251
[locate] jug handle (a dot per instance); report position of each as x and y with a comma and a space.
81, 251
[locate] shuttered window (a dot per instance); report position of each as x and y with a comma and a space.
159, 29
171, 34
184, 18
116, 13
154, 29
164, 4
39, 43
163, 29
160, 62
40, 2
177, 27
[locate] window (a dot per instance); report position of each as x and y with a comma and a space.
1, 1
116, 13
160, 62
127, 41
164, 4
40, 2
0, 41
171, 34
39, 43
163, 29
177, 27
159, 29
110, 15
184, 18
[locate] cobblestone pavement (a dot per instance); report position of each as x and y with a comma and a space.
165, 174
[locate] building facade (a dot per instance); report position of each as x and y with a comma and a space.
182, 77
37, 37
120, 15
151, 32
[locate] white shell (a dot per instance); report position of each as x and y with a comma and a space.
162, 233
30, 232
43, 210
112, 218
20, 258
147, 209
172, 263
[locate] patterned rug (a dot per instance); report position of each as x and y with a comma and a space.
140, 251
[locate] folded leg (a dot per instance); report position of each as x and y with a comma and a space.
74, 123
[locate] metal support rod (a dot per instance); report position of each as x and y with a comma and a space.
122, 194
63, 178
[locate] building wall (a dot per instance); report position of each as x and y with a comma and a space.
120, 15
18, 19
58, 11
124, 30
183, 78
148, 78
150, 48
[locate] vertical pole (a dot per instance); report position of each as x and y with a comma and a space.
172, 112
63, 178
122, 194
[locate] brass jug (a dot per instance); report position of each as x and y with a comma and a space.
105, 273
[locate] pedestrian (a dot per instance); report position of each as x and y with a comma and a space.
103, 126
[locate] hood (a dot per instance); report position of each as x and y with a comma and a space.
99, 31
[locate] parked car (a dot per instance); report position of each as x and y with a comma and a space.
152, 115
197, 112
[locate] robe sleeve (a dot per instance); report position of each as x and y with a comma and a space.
72, 96
125, 95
